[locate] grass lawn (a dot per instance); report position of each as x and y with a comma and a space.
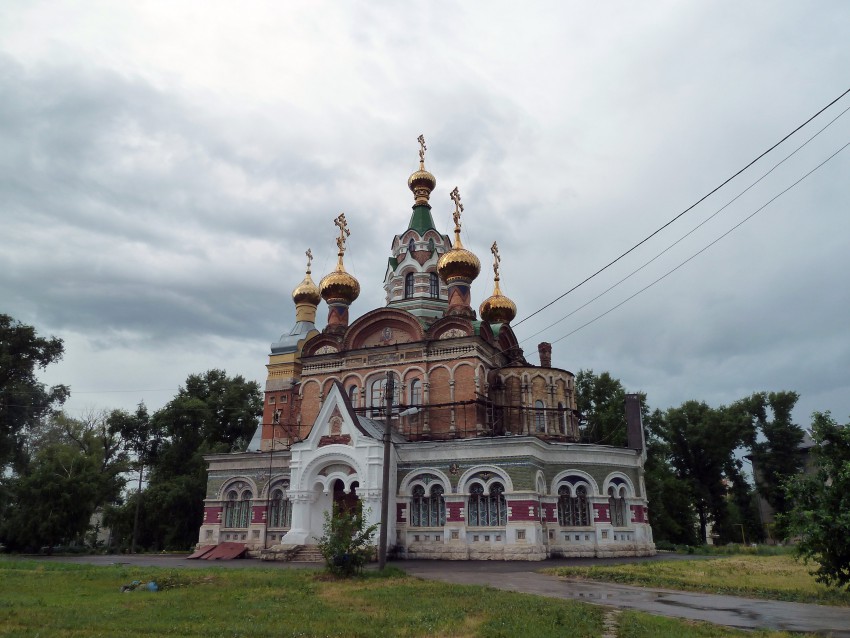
62, 600
774, 577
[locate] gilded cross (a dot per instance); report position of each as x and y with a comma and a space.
455, 195
422, 149
496, 259
309, 254
343, 232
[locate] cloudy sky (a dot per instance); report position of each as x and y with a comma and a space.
164, 166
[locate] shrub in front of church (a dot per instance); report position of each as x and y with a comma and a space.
347, 544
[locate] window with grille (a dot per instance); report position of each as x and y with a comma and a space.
280, 510
435, 285
408, 285
487, 510
430, 510
573, 507
237, 510
617, 505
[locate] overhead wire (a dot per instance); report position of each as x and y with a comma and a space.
693, 230
702, 250
688, 209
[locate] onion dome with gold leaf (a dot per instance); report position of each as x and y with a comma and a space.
458, 264
497, 308
307, 291
421, 182
339, 286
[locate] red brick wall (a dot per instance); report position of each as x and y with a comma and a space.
600, 513
212, 515
525, 510
453, 512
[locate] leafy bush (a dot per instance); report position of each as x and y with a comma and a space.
347, 543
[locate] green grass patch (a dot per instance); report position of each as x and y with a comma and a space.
732, 549
64, 600
774, 577
634, 624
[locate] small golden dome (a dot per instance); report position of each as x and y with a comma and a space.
421, 182
497, 308
458, 264
307, 292
339, 287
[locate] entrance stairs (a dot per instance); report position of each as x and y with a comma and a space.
293, 553
308, 554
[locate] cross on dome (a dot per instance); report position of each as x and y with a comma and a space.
422, 149
496, 259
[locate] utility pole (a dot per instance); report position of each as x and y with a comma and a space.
385, 485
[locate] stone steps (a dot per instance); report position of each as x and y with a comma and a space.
308, 554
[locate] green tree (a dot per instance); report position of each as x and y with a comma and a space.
670, 512
24, 402
76, 467
213, 413
774, 448
701, 442
141, 439
601, 401
348, 542
820, 515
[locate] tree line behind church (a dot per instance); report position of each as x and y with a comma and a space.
146, 473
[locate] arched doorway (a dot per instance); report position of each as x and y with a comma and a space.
346, 502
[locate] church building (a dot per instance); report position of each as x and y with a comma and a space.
486, 461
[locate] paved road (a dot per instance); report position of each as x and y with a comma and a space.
732, 611
520, 576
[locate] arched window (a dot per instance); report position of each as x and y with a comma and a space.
231, 509
435, 285
617, 506
562, 417
280, 511
416, 392
573, 508
539, 417
411, 246
237, 510
353, 396
408, 285
487, 510
377, 402
245, 509
428, 511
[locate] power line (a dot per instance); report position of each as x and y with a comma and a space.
694, 229
689, 208
702, 250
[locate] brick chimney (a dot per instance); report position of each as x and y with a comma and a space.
545, 351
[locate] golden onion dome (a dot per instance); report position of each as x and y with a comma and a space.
339, 287
307, 292
497, 308
421, 182
458, 264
